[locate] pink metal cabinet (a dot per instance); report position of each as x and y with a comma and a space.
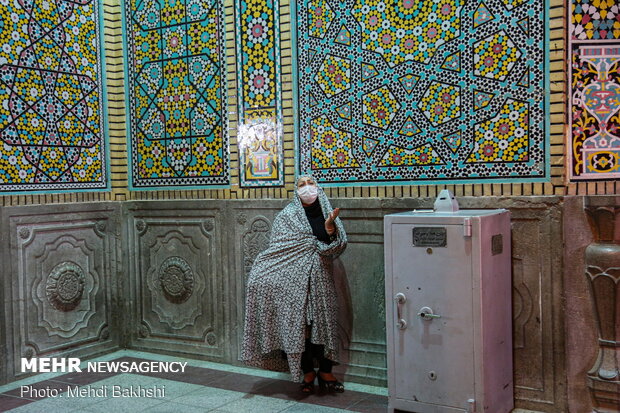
448, 311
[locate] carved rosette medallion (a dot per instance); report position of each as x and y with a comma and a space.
140, 226
29, 353
65, 286
242, 218
143, 331
208, 225
176, 279
175, 282
24, 233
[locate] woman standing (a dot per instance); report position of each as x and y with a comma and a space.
290, 313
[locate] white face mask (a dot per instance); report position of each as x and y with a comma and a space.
308, 194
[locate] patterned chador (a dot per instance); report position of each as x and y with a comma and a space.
291, 296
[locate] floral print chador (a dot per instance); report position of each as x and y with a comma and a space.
289, 287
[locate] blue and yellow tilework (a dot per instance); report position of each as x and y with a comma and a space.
51, 97
259, 133
176, 87
434, 91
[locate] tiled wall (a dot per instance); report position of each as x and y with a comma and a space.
558, 184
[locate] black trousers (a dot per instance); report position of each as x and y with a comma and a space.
315, 352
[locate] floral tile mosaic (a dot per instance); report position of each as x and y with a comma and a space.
419, 92
176, 81
259, 135
52, 111
593, 140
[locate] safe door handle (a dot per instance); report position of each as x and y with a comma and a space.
400, 299
426, 313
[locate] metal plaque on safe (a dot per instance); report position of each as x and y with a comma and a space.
429, 237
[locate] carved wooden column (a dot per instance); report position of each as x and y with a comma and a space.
603, 272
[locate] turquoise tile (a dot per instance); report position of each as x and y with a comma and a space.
172, 389
364, 388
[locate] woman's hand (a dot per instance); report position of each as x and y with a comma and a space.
330, 227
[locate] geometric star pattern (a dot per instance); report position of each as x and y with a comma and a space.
51, 97
504, 137
422, 90
176, 91
441, 103
333, 146
407, 30
495, 56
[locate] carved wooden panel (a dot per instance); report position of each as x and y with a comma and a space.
62, 281
177, 280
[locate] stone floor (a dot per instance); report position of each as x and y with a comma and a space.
203, 387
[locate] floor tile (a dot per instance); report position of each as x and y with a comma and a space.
9, 402
38, 391
198, 389
337, 400
170, 407
249, 404
62, 403
280, 389
241, 383
208, 398
194, 375
371, 404
123, 404
312, 408
82, 378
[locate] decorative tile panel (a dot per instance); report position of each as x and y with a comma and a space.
176, 87
593, 140
417, 92
177, 280
62, 281
259, 134
52, 111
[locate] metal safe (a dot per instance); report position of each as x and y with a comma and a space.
448, 310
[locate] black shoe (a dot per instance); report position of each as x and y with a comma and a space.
332, 386
307, 387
